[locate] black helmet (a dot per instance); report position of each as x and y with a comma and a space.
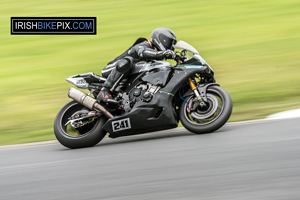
163, 39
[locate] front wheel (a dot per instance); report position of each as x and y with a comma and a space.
206, 119
81, 133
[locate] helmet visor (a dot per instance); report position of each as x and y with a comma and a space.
167, 42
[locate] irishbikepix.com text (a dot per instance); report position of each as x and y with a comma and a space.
53, 25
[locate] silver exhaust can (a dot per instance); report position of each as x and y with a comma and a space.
87, 101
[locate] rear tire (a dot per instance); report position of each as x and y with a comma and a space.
217, 114
87, 136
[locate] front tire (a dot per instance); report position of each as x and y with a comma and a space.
86, 136
211, 118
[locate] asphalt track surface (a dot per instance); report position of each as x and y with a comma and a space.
246, 161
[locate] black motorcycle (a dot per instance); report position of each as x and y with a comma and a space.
154, 97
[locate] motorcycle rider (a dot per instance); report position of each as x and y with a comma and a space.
159, 47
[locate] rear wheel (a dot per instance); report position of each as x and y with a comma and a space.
206, 118
79, 134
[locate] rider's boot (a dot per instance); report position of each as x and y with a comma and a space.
109, 85
104, 95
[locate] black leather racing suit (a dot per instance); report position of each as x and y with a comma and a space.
121, 66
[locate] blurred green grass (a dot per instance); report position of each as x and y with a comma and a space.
253, 47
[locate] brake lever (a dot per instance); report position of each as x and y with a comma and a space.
179, 59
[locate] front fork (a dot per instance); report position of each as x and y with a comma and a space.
199, 100
194, 88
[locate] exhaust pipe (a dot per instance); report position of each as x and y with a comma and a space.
88, 101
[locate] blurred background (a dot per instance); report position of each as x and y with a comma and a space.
253, 47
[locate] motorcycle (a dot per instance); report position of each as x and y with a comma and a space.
155, 96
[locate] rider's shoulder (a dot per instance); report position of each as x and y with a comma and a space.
142, 42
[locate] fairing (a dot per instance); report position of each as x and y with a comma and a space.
159, 113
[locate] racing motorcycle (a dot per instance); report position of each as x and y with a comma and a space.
155, 96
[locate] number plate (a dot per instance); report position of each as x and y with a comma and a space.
121, 125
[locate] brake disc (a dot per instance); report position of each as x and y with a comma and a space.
213, 108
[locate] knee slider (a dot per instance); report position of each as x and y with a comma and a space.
125, 64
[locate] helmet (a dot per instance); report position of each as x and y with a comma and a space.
163, 39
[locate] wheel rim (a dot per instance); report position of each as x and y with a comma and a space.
213, 112
68, 130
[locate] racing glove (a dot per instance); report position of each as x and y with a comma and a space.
169, 54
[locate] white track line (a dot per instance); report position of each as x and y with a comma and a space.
13, 146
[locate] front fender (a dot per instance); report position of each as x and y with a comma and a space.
201, 89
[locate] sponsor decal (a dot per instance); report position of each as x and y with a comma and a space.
168, 93
121, 125
191, 66
53, 25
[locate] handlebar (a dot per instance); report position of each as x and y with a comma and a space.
179, 58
